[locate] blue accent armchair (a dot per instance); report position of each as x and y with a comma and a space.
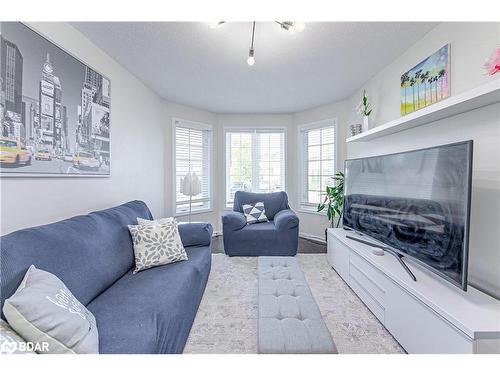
278, 236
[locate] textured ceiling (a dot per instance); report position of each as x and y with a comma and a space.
192, 64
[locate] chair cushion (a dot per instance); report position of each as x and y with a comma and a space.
88, 253
261, 239
258, 227
274, 202
152, 311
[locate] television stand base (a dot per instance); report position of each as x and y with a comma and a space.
428, 316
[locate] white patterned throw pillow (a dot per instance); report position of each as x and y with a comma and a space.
45, 313
164, 220
255, 213
156, 244
11, 342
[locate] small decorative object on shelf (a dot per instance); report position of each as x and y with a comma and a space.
355, 129
492, 65
365, 110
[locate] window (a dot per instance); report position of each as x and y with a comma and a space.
318, 161
192, 150
255, 161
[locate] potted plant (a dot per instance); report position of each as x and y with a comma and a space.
334, 201
365, 110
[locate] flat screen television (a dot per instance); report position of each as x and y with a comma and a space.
417, 203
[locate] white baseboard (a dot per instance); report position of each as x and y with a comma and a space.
312, 237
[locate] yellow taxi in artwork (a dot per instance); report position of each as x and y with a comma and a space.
43, 154
85, 160
12, 152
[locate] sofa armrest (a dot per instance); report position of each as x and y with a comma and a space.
195, 234
233, 221
286, 219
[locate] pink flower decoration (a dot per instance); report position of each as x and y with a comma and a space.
492, 65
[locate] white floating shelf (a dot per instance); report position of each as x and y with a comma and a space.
478, 97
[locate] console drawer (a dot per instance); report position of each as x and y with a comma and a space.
375, 307
369, 277
421, 330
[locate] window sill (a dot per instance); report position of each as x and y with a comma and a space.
310, 211
193, 213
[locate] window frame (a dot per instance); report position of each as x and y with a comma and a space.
301, 130
228, 206
196, 126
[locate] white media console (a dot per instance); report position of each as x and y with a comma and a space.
426, 316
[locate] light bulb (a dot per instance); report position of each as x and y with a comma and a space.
298, 26
251, 59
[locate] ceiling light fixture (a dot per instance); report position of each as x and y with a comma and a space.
214, 25
289, 26
251, 51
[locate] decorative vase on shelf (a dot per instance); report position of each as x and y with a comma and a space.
366, 123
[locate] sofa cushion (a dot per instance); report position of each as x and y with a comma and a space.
43, 310
156, 306
156, 244
274, 202
88, 253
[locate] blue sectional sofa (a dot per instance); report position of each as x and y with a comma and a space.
149, 312
278, 236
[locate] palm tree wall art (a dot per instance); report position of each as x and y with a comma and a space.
427, 82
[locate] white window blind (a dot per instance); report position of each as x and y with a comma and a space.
255, 161
318, 162
193, 145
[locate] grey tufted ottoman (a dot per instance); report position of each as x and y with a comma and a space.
289, 319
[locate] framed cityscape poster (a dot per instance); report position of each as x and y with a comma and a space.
55, 110
427, 82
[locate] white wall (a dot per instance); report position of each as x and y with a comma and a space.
136, 150
471, 43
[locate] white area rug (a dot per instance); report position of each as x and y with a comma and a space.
227, 318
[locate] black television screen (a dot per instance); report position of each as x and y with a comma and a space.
417, 203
